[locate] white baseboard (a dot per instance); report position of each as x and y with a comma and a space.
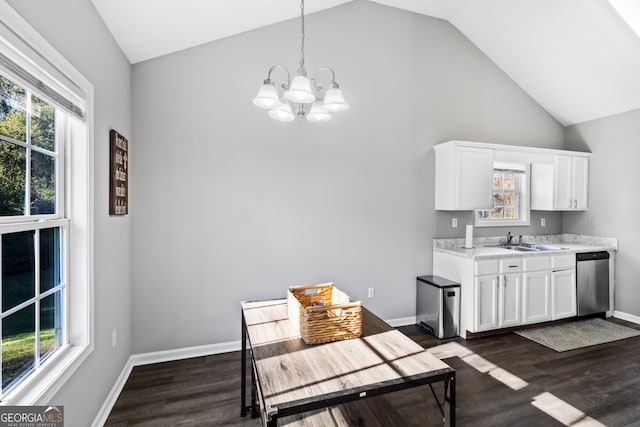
179, 354
184, 353
403, 321
105, 410
626, 316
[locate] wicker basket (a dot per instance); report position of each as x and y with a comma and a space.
323, 313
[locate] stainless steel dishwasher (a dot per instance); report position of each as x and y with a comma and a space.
592, 282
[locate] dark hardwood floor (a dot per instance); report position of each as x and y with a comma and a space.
599, 384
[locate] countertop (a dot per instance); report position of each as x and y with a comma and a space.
566, 243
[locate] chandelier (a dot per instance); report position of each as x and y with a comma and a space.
301, 97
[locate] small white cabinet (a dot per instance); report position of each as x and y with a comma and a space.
509, 297
485, 303
497, 288
536, 296
563, 287
464, 176
536, 293
562, 185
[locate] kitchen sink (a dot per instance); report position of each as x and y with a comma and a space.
526, 247
521, 248
549, 248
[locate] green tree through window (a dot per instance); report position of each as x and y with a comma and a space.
30, 264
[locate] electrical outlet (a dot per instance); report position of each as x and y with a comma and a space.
114, 337
543, 222
591, 223
370, 293
454, 222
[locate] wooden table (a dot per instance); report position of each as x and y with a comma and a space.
290, 377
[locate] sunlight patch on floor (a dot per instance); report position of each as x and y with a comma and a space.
546, 402
563, 412
450, 349
512, 381
453, 349
479, 363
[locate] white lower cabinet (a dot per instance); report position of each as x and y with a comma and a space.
536, 305
563, 294
510, 291
509, 313
497, 294
485, 314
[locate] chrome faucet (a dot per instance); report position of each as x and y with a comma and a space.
509, 237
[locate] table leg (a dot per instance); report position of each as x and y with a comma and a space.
243, 363
254, 394
450, 401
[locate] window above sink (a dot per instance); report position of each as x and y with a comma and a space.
510, 202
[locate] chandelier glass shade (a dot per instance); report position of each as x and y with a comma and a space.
300, 97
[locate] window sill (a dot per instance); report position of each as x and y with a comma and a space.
501, 223
43, 385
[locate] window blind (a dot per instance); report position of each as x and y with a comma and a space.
38, 85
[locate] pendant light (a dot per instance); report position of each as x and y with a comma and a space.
301, 96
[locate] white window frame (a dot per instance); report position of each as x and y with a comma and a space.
27, 48
524, 217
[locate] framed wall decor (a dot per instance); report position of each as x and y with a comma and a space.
118, 174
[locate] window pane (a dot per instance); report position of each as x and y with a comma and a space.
13, 122
43, 122
50, 324
49, 258
12, 178
509, 181
495, 213
43, 184
510, 213
18, 344
18, 268
498, 199
497, 181
509, 199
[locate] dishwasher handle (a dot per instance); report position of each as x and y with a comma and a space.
592, 256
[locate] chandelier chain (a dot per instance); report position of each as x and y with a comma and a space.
301, 67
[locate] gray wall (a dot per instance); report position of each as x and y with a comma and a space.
613, 179
74, 28
232, 206
553, 225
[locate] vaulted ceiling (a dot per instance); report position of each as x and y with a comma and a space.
579, 59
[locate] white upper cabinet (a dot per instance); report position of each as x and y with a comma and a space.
562, 185
464, 177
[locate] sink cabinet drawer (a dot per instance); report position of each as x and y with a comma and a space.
563, 261
489, 266
510, 265
536, 263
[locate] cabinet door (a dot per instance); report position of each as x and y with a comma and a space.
509, 300
580, 182
485, 303
474, 178
563, 293
536, 296
563, 183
